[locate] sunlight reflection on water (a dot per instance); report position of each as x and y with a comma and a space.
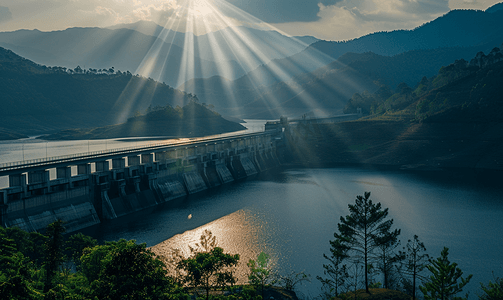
240, 233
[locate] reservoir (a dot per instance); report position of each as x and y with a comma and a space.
292, 213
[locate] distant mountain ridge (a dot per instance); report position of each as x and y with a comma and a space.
458, 34
168, 58
457, 28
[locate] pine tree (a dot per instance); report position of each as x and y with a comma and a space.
365, 229
336, 271
443, 283
415, 261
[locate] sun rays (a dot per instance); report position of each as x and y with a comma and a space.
217, 38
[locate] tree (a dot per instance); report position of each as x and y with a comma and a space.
53, 252
335, 271
415, 261
387, 258
260, 271
293, 278
208, 266
76, 245
127, 270
15, 268
443, 283
365, 229
493, 291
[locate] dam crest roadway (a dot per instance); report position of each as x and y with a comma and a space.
95, 186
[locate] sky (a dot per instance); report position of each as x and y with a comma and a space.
324, 19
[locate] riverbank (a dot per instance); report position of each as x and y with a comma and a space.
399, 145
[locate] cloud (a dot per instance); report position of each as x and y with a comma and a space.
282, 11
5, 14
472, 4
348, 19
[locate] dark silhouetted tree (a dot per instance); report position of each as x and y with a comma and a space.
335, 271
415, 261
443, 282
365, 229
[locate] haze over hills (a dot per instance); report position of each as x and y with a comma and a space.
36, 99
55, 98
271, 44
167, 56
458, 34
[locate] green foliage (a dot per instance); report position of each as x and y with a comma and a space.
15, 271
126, 270
53, 252
443, 283
76, 244
493, 291
461, 90
208, 266
368, 102
30, 244
260, 271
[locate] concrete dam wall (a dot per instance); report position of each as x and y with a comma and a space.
129, 183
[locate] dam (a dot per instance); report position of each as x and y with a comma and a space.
91, 187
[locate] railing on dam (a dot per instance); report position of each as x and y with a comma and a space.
50, 162
83, 189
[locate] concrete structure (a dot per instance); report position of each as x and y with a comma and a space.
127, 180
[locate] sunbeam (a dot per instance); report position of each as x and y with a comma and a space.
219, 39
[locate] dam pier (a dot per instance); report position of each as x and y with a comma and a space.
87, 188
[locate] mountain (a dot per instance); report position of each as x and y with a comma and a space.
124, 49
192, 120
37, 99
451, 121
411, 55
327, 88
495, 8
251, 47
461, 92
152, 51
457, 28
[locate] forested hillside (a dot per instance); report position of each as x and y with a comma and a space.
461, 92
37, 99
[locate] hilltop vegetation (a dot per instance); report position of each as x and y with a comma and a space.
462, 92
189, 121
36, 99
449, 121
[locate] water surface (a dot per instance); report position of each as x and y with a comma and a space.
292, 214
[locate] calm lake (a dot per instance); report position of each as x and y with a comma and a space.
292, 213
